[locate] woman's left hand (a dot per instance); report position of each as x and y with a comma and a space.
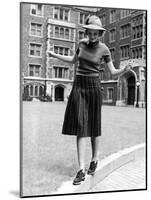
127, 68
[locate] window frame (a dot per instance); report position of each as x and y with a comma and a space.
58, 35
36, 7
127, 15
64, 13
84, 16
55, 73
114, 17
35, 43
64, 50
122, 46
30, 32
34, 65
102, 74
129, 30
113, 40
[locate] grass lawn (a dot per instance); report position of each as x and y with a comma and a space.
49, 158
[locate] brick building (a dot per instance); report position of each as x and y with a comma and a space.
126, 39
59, 28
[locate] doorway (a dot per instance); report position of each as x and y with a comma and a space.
131, 90
59, 93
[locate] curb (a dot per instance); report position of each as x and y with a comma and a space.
105, 167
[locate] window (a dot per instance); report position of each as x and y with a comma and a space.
31, 90
37, 9
102, 74
110, 94
124, 13
34, 70
102, 18
66, 15
61, 32
56, 32
137, 27
81, 35
125, 31
61, 72
36, 90
36, 29
56, 13
112, 35
66, 51
137, 53
137, 31
124, 51
112, 16
112, 53
61, 14
82, 18
61, 50
35, 49
66, 33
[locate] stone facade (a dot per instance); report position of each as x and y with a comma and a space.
59, 28
126, 39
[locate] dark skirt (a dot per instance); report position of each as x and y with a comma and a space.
83, 111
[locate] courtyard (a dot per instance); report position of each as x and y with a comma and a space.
49, 158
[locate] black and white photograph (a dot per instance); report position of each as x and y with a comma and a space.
83, 99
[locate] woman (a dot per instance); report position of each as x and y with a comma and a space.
83, 112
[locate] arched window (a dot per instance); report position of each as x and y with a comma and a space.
62, 32
40, 91
66, 33
31, 90
102, 74
56, 32
36, 90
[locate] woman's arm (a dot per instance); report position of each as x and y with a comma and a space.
114, 71
70, 59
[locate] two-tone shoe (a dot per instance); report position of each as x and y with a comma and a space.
79, 177
92, 167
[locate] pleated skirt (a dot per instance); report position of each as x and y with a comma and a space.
83, 111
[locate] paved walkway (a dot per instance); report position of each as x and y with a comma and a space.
128, 177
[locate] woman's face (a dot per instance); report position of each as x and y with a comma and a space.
93, 35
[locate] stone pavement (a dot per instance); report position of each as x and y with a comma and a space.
124, 170
131, 176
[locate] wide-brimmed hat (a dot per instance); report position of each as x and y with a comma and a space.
93, 22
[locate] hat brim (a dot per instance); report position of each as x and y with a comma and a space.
94, 27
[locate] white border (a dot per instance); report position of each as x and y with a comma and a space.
9, 102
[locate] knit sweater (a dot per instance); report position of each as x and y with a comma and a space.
90, 56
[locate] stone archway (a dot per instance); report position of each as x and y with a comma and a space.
127, 88
59, 93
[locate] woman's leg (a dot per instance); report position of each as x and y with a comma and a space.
81, 159
95, 143
81, 142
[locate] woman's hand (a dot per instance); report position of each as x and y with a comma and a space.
69, 59
127, 68
51, 53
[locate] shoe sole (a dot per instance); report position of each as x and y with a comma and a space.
91, 173
78, 183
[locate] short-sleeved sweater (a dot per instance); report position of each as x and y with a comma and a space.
90, 57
